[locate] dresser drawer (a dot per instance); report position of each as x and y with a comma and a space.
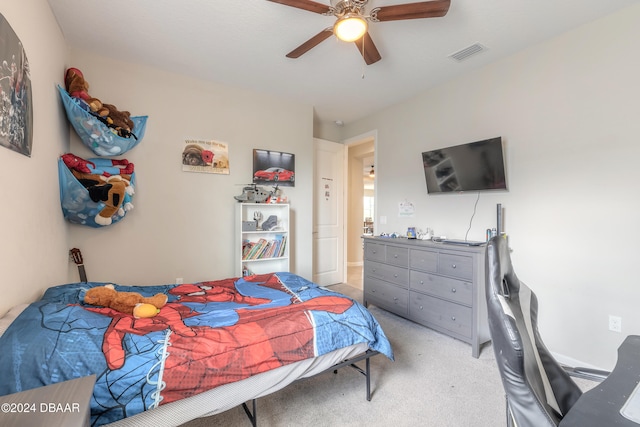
374, 251
389, 273
456, 265
444, 287
398, 256
423, 260
386, 296
435, 311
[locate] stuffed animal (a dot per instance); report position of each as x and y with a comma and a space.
143, 310
119, 121
112, 191
106, 167
77, 163
78, 88
131, 303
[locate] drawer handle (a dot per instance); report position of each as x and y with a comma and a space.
373, 291
395, 275
420, 307
375, 252
395, 298
453, 290
422, 282
453, 266
453, 318
395, 256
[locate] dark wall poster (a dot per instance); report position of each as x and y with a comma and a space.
16, 110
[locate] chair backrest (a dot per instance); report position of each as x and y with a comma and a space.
539, 392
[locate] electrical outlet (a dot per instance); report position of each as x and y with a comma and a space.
179, 280
615, 323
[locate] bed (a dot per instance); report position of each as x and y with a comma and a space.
214, 346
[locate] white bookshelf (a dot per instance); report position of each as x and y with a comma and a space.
278, 240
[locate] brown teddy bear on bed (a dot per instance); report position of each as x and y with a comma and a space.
131, 303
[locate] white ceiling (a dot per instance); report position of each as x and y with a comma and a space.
243, 43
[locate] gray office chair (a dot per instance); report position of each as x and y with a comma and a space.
538, 389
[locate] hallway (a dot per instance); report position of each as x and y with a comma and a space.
354, 276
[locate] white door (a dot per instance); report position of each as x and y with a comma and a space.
328, 225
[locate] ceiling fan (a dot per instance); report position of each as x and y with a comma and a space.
352, 26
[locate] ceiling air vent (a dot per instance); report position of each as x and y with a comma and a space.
467, 52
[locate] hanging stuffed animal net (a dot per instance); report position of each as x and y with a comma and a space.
96, 134
100, 195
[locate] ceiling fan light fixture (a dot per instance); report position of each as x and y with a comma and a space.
350, 27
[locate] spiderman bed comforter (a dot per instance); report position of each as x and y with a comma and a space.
208, 334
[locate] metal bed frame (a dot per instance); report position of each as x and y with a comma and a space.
252, 414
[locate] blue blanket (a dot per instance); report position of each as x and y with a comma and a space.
208, 334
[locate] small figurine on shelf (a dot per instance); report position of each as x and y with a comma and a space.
277, 195
257, 217
270, 223
246, 272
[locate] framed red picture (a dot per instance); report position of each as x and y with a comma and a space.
274, 167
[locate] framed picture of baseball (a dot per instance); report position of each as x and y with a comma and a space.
274, 167
16, 109
205, 156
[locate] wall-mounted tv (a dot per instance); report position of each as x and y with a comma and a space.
475, 166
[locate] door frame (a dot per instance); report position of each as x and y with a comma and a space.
371, 135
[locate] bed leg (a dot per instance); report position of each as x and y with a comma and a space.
252, 415
368, 375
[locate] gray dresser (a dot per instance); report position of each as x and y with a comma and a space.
437, 285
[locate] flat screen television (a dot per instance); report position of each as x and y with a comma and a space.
475, 166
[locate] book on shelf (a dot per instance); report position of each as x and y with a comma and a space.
282, 247
257, 248
264, 248
246, 248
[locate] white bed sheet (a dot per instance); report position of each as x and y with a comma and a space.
227, 396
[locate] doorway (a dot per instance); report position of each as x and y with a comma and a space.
360, 205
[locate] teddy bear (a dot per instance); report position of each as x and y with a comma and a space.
118, 121
78, 88
131, 303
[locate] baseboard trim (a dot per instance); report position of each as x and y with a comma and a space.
570, 361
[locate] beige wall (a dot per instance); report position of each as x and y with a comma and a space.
33, 242
182, 224
568, 111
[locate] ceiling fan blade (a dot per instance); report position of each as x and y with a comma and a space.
310, 44
368, 49
425, 9
309, 5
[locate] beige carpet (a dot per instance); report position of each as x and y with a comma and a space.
434, 381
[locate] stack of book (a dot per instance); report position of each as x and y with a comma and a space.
264, 248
